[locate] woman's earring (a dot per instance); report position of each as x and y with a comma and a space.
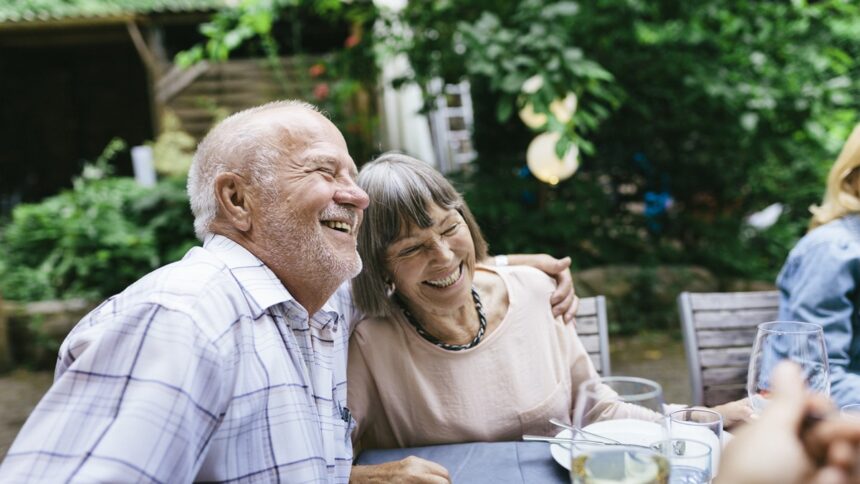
389, 287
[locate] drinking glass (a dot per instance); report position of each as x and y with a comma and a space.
620, 464
802, 343
618, 450
851, 411
690, 460
699, 424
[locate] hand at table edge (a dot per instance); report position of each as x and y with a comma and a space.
408, 470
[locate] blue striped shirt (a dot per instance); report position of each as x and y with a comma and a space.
206, 369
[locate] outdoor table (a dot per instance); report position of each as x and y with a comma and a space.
477, 462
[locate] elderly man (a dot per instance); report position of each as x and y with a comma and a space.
229, 365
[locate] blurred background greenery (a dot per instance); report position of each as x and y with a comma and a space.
692, 116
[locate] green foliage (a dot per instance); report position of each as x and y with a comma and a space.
725, 108
535, 40
342, 85
95, 239
29, 10
505, 44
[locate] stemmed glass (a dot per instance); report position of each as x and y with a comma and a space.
802, 343
618, 450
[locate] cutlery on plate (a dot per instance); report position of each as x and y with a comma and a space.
559, 440
561, 424
563, 441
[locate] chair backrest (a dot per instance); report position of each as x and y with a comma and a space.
594, 332
719, 330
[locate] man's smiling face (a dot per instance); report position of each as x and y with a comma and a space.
312, 213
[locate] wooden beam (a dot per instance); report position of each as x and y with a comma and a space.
143, 50
178, 79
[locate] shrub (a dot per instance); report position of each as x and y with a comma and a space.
93, 240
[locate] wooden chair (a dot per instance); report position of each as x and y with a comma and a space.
593, 331
719, 330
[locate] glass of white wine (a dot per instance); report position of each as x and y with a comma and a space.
802, 343
618, 450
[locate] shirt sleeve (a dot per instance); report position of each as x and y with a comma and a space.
136, 398
820, 286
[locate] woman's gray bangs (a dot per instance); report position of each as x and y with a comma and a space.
405, 201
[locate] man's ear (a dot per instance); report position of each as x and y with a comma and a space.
234, 200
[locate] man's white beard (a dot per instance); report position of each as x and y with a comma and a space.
306, 249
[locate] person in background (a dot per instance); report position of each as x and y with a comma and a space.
820, 281
453, 350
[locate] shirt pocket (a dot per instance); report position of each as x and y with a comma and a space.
557, 404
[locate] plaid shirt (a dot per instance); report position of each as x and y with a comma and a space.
206, 369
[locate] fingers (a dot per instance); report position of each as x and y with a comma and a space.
423, 470
409, 470
841, 454
562, 305
829, 475
570, 315
833, 430
564, 287
789, 396
735, 412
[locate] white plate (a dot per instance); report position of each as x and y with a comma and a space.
628, 431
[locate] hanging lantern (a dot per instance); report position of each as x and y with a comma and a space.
563, 109
545, 164
532, 119
532, 84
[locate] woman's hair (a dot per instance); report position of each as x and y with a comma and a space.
401, 191
842, 195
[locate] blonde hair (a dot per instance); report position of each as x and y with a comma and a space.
235, 144
842, 195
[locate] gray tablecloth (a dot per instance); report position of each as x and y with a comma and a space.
496, 462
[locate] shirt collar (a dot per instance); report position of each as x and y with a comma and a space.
261, 286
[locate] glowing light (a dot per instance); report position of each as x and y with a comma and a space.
545, 164
563, 109
532, 84
532, 119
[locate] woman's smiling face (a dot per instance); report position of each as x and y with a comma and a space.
432, 268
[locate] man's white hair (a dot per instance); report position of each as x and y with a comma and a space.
237, 144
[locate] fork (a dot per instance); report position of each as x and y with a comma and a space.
565, 442
561, 441
561, 424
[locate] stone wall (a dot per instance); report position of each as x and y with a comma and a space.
640, 298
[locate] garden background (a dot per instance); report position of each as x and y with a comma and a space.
691, 117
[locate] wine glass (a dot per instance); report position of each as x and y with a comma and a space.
802, 343
851, 411
616, 419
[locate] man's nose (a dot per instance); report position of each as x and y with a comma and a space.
352, 194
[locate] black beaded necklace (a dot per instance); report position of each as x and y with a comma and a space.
482, 325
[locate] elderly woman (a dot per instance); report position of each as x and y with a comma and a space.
452, 351
820, 281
